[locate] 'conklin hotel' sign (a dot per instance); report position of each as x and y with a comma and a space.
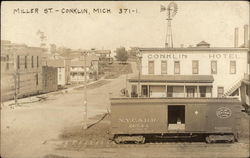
185, 56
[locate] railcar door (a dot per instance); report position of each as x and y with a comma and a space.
196, 117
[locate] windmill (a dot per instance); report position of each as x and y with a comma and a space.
42, 38
171, 11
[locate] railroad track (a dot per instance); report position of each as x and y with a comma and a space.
80, 145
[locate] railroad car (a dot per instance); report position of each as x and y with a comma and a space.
136, 119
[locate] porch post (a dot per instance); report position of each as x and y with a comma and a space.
184, 89
148, 91
198, 91
166, 89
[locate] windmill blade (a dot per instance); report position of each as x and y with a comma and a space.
163, 8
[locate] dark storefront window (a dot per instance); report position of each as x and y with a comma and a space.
177, 67
202, 91
170, 91
134, 91
144, 90
220, 92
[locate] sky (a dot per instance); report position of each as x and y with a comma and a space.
213, 22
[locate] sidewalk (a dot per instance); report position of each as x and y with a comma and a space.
40, 97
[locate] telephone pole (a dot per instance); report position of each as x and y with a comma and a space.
15, 77
85, 116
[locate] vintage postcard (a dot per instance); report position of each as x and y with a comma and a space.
125, 79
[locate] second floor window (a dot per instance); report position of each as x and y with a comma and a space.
18, 62
163, 67
195, 66
7, 62
32, 61
213, 67
232, 67
25, 62
177, 67
37, 61
151, 67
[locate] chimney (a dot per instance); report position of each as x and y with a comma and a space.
246, 36
236, 37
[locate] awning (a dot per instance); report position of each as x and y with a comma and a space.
174, 78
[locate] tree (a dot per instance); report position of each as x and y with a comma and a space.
121, 54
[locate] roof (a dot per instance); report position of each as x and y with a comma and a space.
170, 50
203, 43
55, 63
174, 78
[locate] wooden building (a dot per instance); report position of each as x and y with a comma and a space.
21, 70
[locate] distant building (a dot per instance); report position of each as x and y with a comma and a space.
77, 70
200, 71
21, 70
49, 79
63, 70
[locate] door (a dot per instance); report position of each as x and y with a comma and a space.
190, 92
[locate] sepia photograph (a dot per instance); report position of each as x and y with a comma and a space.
125, 79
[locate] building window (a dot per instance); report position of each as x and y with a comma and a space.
195, 66
134, 91
37, 61
202, 91
18, 62
36, 79
32, 61
163, 67
220, 92
60, 76
144, 90
232, 67
177, 67
7, 62
213, 67
151, 67
169, 91
25, 62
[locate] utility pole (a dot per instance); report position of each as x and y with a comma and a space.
15, 78
85, 117
139, 76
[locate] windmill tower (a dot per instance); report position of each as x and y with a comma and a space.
171, 11
42, 38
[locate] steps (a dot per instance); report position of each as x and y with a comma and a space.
233, 88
